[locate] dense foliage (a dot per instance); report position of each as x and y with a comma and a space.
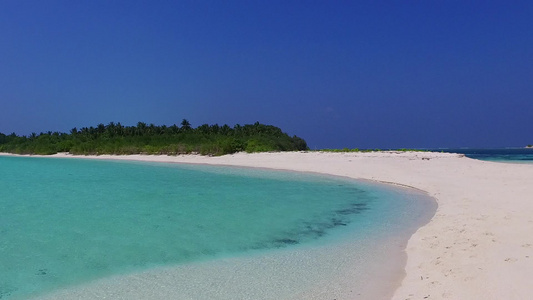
151, 139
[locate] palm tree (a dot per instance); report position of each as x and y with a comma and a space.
174, 129
141, 128
100, 128
84, 131
225, 129
203, 129
119, 129
151, 129
185, 125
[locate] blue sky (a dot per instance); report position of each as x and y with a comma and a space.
367, 74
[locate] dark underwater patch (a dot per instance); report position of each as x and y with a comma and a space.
314, 230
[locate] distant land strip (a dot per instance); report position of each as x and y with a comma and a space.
114, 138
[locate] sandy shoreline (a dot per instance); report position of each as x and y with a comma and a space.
479, 245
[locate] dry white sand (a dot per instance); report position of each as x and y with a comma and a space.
479, 245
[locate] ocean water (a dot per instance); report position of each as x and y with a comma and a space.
510, 155
65, 222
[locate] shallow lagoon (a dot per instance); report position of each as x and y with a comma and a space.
71, 221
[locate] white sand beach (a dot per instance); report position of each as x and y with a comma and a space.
479, 244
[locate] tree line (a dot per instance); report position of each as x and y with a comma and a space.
114, 138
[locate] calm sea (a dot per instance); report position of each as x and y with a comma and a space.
65, 222
511, 155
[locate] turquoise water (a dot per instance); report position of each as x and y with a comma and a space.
68, 221
510, 155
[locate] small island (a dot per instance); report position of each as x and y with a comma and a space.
529, 146
114, 138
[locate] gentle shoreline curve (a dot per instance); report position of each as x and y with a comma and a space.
477, 246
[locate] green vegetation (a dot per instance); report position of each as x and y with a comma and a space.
151, 139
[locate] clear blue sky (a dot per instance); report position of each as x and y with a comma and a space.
367, 74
